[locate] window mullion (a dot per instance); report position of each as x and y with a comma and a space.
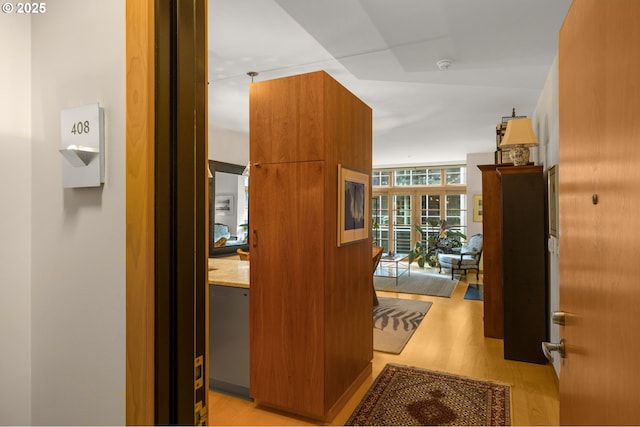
416, 207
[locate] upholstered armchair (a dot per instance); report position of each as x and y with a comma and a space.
467, 259
220, 235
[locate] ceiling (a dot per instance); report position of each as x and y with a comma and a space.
385, 52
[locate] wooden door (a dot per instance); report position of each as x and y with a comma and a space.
287, 286
599, 182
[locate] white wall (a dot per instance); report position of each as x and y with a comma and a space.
228, 146
78, 235
474, 186
546, 126
15, 223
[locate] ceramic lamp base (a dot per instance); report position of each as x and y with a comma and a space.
519, 155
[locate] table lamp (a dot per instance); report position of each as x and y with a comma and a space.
517, 139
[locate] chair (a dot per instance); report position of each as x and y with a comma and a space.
467, 259
244, 256
220, 242
220, 234
376, 256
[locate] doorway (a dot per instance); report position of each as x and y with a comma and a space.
166, 190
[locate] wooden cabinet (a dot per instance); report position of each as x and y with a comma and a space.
515, 278
492, 251
311, 322
524, 254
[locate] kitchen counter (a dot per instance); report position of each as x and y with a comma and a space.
229, 272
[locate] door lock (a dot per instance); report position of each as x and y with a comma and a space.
558, 317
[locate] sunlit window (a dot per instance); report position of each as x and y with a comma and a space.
426, 196
456, 176
380, 178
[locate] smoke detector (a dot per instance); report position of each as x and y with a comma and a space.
443, 64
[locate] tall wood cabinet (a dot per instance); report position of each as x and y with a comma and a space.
492, 252
311, 306
515, 254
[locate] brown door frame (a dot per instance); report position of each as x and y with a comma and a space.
166, 195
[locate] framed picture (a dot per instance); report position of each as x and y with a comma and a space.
477, 208
502, 157
552, 187
353, 205
224, 205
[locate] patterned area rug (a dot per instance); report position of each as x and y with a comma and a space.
394, 322
418, 282
406, 396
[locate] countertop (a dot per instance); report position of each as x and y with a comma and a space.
229, 272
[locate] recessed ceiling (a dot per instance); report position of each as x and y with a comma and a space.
386, 53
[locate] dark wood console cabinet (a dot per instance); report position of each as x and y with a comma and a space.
515, 253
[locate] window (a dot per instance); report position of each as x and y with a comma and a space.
430, 209
380, 217
434, 177
402, 178
456, 213
404, 197
414, 177
402, 223
380, 178
456, 176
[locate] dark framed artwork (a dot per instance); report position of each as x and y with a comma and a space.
353, 205
552, 186
225, 205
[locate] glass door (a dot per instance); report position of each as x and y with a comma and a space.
456, 212
429, 213
401, 223
380, 217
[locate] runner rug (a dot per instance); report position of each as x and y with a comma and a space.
394, 322
407, 396
417, 282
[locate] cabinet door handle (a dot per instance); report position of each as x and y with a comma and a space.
254, 241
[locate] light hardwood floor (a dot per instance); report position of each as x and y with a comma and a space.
449, 339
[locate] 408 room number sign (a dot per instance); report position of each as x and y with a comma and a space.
81, 126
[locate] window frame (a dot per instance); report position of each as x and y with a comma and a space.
416, 192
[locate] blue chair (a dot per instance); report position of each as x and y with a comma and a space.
467, 259
220, 234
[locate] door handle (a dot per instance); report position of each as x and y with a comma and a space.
548, 347
557, 318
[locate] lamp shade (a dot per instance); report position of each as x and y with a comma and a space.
519, 132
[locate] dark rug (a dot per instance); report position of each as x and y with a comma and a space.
474, 291
394, 322
419, 282
406, 396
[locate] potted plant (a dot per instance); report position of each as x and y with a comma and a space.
245, 232
445, 241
